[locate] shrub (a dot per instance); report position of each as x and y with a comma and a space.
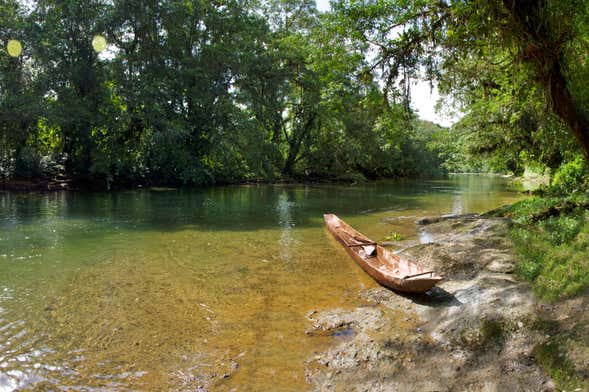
28, 163
570, 177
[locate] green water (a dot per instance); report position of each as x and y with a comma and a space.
181, 289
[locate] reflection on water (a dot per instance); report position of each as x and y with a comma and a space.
457, 206
285, 221
163, 289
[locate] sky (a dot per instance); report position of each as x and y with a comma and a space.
423, 97
323, 5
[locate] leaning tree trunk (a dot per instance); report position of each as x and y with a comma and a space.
564, 106
544, 50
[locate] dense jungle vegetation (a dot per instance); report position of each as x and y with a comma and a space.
197, 92
201, 92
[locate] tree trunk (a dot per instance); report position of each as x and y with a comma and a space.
564, 106
295, 145
544, 50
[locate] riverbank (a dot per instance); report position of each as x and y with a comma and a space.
481, 329
53, 185
70, 184
37, 185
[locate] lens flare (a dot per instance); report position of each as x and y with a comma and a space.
99, 43
14, 48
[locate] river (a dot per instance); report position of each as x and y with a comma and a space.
156, 289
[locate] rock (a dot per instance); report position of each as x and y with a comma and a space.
472, 331
338, 319
462, 248
501, 267
436, 219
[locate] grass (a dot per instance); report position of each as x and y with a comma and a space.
553, 252
393, 236
551, 235
490, 333
553, 358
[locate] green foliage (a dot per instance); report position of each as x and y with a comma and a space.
296, 93
554, 251
393, 236
557, 268
490, 332
507, 127
561, 229
523, 211
197, 92
571, 177
552, 357
510, 66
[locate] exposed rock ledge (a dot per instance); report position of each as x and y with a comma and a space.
476, 332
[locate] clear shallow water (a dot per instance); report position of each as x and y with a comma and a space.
173, 289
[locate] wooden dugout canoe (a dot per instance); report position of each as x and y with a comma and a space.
385, 267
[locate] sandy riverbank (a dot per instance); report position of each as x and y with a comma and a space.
480, 330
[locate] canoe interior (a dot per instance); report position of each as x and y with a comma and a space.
385, 267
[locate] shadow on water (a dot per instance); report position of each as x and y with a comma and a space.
32, 223
248, 207
221, 208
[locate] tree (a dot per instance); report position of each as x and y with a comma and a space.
194, 92
18, 99
71, 74
543, 39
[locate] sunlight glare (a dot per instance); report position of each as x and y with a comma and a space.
14, 48
99, 43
